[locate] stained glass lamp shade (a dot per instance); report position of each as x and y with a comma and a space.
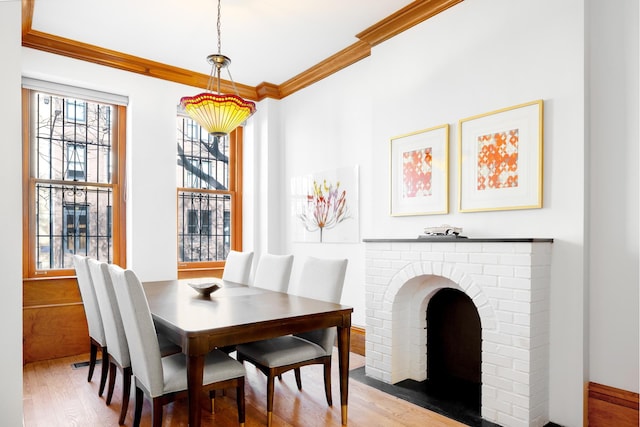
219, 114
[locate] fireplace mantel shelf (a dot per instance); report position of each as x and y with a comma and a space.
436, 239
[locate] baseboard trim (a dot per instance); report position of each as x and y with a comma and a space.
609, 406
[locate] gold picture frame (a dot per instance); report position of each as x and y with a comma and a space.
419, 169
500, 156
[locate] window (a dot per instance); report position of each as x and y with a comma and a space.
197, 177
209, 197
75, 226
199, 221
74, 162
76, 111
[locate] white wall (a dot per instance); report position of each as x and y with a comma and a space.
476, 57
479, 56
263, 215
613, 173
11, 214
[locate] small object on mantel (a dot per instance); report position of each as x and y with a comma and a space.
443, 230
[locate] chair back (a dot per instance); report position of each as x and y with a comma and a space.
111, 318
144, 350
238, 267
322, 279
88, 294
273, 272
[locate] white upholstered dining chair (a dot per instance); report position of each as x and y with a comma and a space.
321, 279
118, 349
97, 339
237, 267
117, 345
164, 379
273, 272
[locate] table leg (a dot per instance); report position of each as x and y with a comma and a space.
344, 338
195, 370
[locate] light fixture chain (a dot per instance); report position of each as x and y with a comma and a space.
235, 89
219, 44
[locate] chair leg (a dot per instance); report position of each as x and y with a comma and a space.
270, 386
138, 410
212, 398
240, 401
126, 391
112, 382
93, 355
296, 372
156, 412
327, 382
105, 370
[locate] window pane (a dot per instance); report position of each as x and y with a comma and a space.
203, 226
203, 160
76, 162
192, 221
67, 148
72, 219
205, 222
76, 110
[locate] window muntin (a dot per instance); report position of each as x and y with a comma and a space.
207, 194
73, 181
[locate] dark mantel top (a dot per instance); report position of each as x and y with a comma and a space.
432, 239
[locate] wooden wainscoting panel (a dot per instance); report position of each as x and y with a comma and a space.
54, 323
50, 291
54, 331
609, 406
357, 340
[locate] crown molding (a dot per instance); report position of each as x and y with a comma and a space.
27, 15
268, 90
405, 18
333, 64
122, 61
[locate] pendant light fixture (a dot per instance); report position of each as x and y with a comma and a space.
216, 112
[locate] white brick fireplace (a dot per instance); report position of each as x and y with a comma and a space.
507, 280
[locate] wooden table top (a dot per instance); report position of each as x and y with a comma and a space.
235, 313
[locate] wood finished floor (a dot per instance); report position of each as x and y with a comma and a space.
57, 395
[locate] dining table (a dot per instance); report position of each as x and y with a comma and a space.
236, 314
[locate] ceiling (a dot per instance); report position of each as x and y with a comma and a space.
267, 40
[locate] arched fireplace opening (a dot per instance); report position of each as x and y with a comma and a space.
454, 348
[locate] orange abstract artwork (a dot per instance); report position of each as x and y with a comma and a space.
416, 173
498, 160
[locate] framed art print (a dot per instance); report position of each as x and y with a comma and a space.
324, 206
500, 159
420, 172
